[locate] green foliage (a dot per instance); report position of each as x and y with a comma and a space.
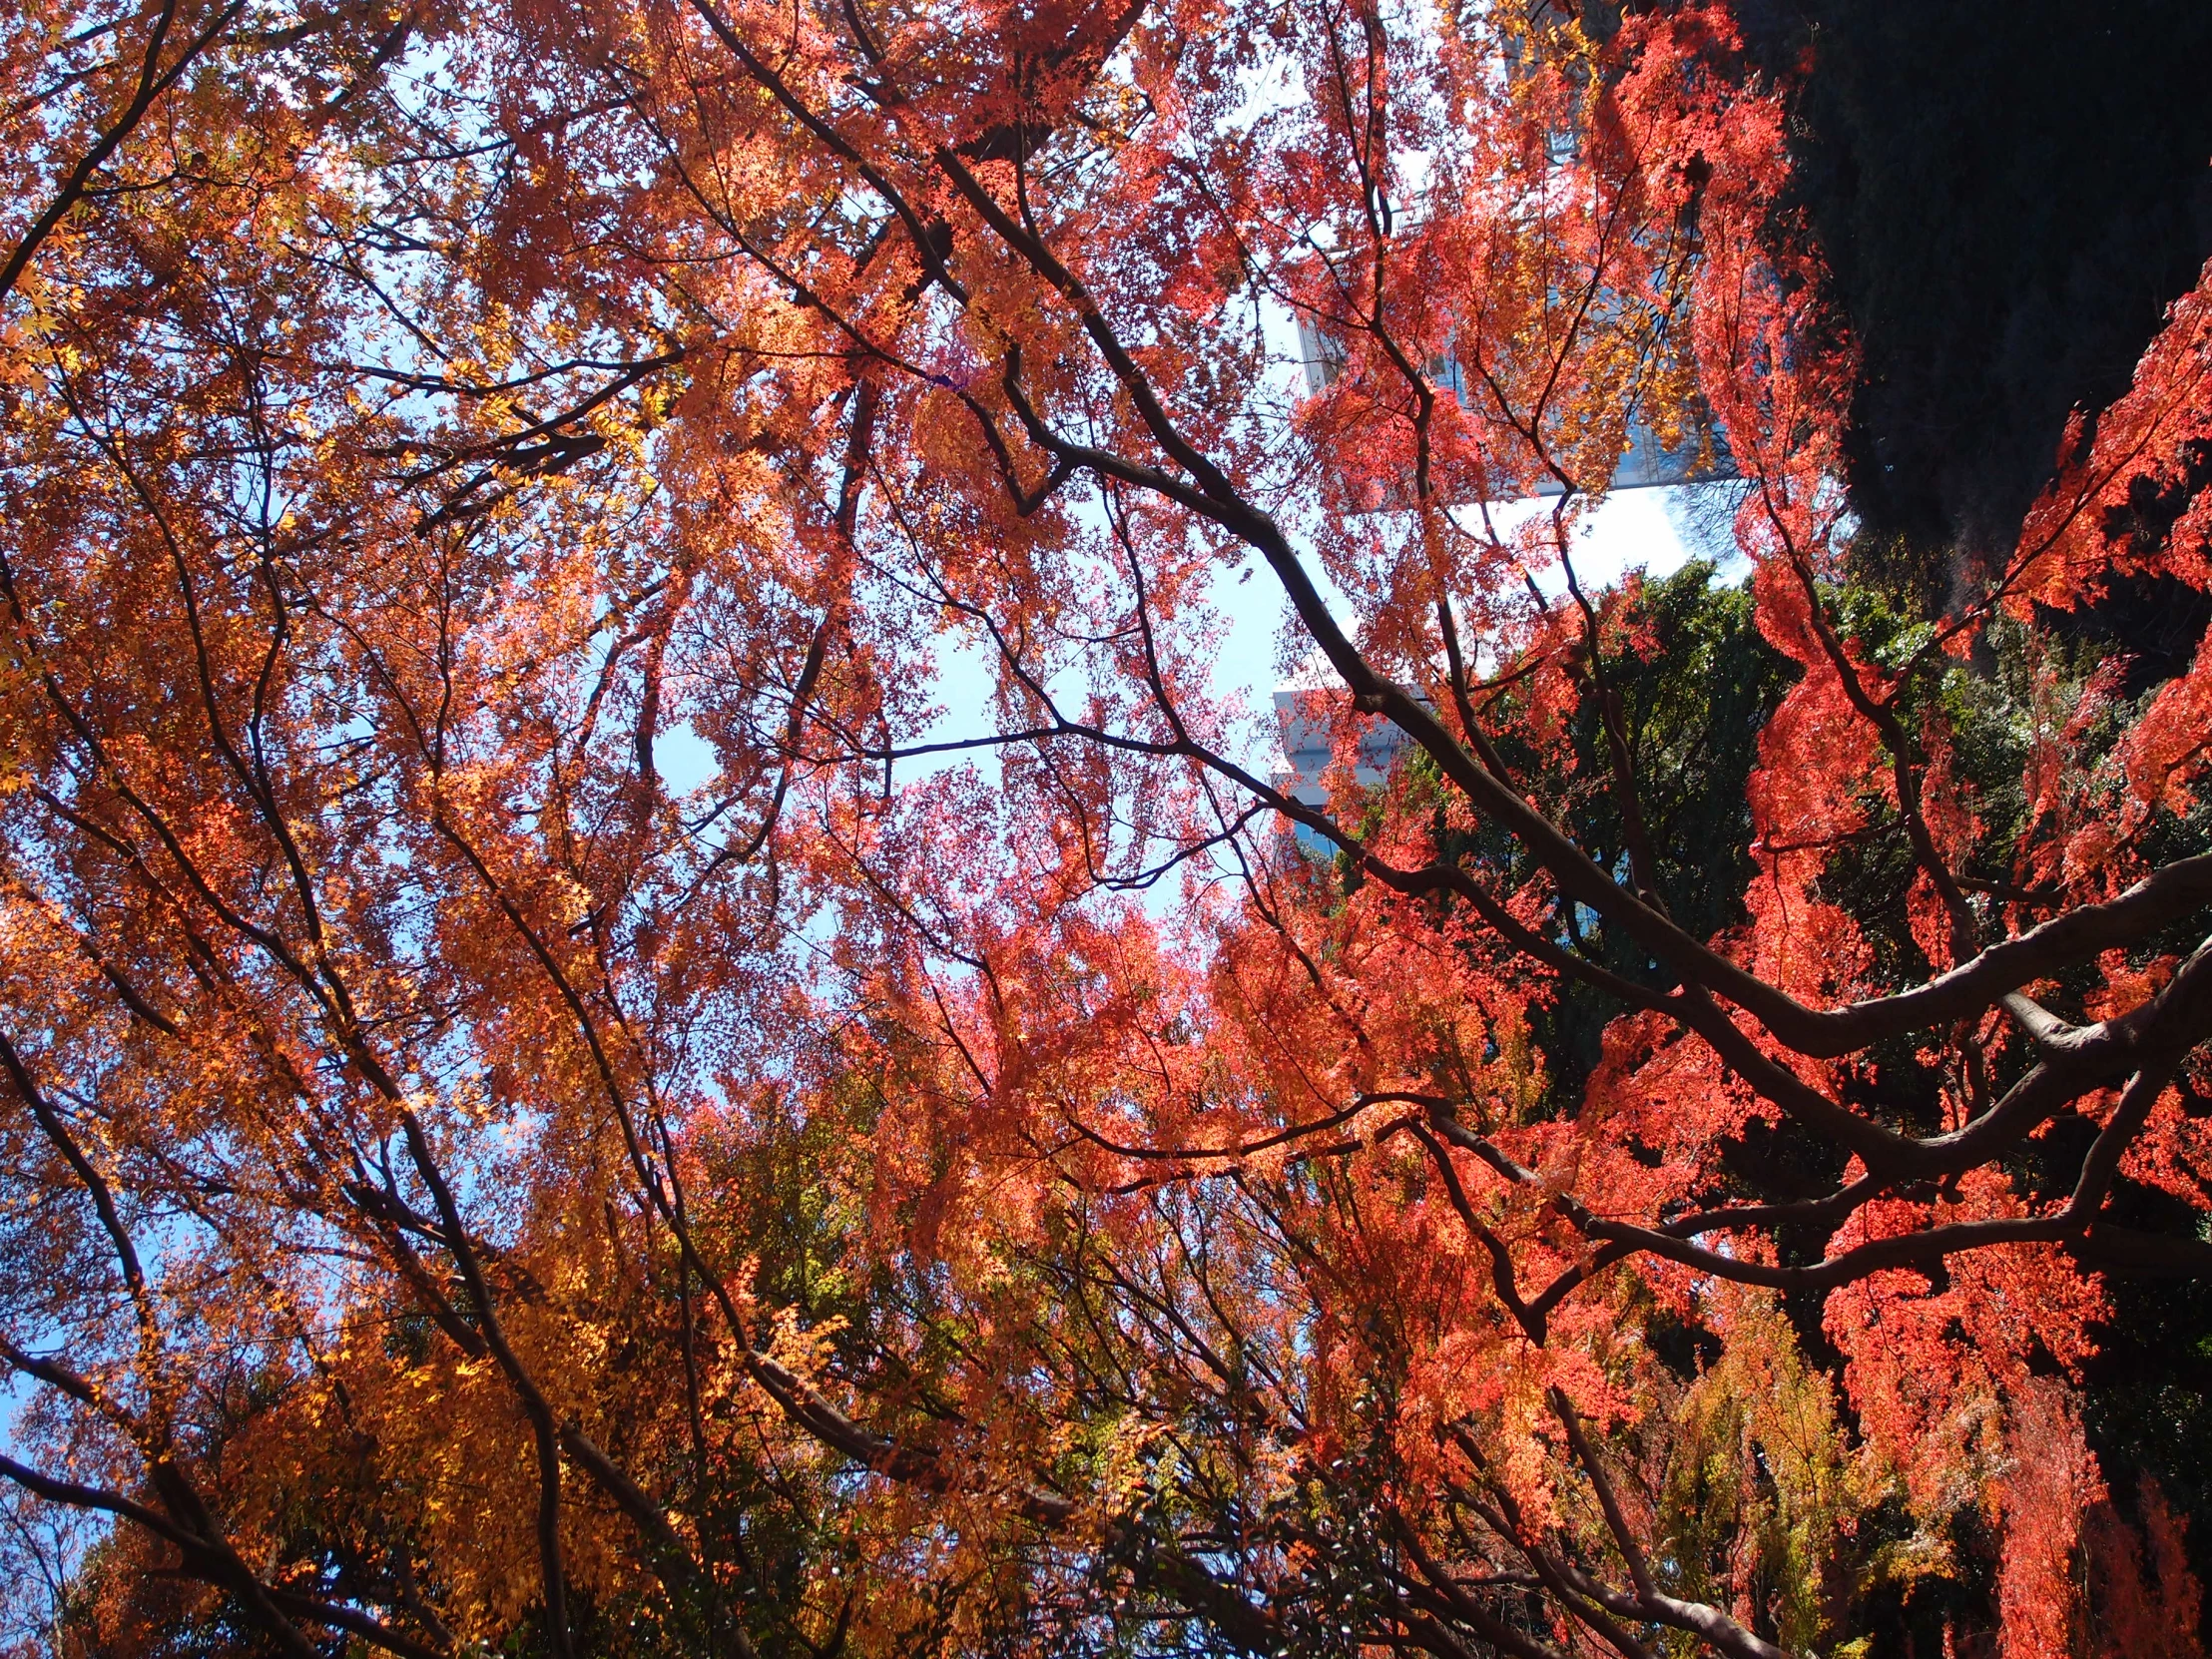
1695, 682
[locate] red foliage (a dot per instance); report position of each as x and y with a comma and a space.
464, 1182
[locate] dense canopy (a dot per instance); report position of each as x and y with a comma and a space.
564, 1095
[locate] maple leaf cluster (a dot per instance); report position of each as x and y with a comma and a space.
557, 1102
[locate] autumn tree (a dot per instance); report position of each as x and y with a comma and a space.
1645, 1184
